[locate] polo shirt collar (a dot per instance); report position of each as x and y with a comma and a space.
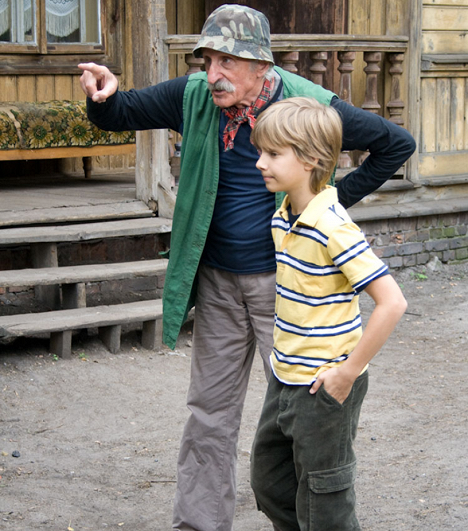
315, 209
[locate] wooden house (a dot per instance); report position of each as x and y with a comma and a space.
406, 60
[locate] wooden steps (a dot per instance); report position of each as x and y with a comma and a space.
84, 231
48, 276
125, 209
63, 289
108, 319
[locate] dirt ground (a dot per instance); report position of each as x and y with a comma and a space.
91, 443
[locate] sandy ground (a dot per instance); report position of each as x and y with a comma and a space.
96, 437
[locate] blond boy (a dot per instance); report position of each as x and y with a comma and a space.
303, 462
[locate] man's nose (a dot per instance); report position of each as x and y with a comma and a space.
213, 73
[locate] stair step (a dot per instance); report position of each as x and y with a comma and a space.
48, 276
108, 319
85, 231
126, 209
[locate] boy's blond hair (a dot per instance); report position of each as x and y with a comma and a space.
312, 130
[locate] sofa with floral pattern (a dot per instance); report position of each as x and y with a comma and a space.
56, 129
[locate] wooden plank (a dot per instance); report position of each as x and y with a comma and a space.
60, 344
308, 42
57, 153
466, 115
27, 88
358, 17
77, 91
428, 112
151, 338
442, 18
457, 112
58, 321
63, 87
408, 210
35, 215
150, 30
450, 42
414, 85
45, 88
8, 88
447, 163
45, 255
83, 273
376, 15
396, 18
85, 231
110, 336
442, 118
445, 2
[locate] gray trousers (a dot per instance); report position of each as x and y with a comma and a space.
233, 314
303, 464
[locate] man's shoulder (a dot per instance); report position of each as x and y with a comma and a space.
295, 85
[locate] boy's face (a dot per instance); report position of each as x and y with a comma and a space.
282, 171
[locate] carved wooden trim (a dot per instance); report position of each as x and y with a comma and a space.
396, 106
345, 69
194, 64
318, 67
289, 60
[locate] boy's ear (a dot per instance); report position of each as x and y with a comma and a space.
309, 166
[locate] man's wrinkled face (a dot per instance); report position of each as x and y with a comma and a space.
233, 81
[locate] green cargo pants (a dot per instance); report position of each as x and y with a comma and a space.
303, 464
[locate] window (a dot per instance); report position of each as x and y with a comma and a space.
47, 33
17, 21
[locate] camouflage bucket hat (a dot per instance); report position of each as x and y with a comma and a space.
236, 30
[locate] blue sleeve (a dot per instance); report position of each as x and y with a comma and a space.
157, 107
389, 146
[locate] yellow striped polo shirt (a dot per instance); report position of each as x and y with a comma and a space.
323, 262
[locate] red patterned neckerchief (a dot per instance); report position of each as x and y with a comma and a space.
247, 114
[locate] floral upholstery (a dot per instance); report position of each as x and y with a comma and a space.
53, 124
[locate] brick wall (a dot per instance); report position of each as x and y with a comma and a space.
409, 242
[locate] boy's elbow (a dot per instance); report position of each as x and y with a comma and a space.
400, 306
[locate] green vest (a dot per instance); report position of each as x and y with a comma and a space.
198, 184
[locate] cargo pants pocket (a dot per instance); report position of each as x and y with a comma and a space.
332, 499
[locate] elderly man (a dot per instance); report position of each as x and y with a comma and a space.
222, 254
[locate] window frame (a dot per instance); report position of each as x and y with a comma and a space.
62, 58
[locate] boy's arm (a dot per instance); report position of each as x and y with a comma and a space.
390, 305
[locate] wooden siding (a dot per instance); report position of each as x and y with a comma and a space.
444, 26
443, 141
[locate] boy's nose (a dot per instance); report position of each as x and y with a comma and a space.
261, 163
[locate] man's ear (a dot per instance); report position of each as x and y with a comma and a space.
263, 67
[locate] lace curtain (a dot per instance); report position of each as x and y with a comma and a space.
6, 15
62, 17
